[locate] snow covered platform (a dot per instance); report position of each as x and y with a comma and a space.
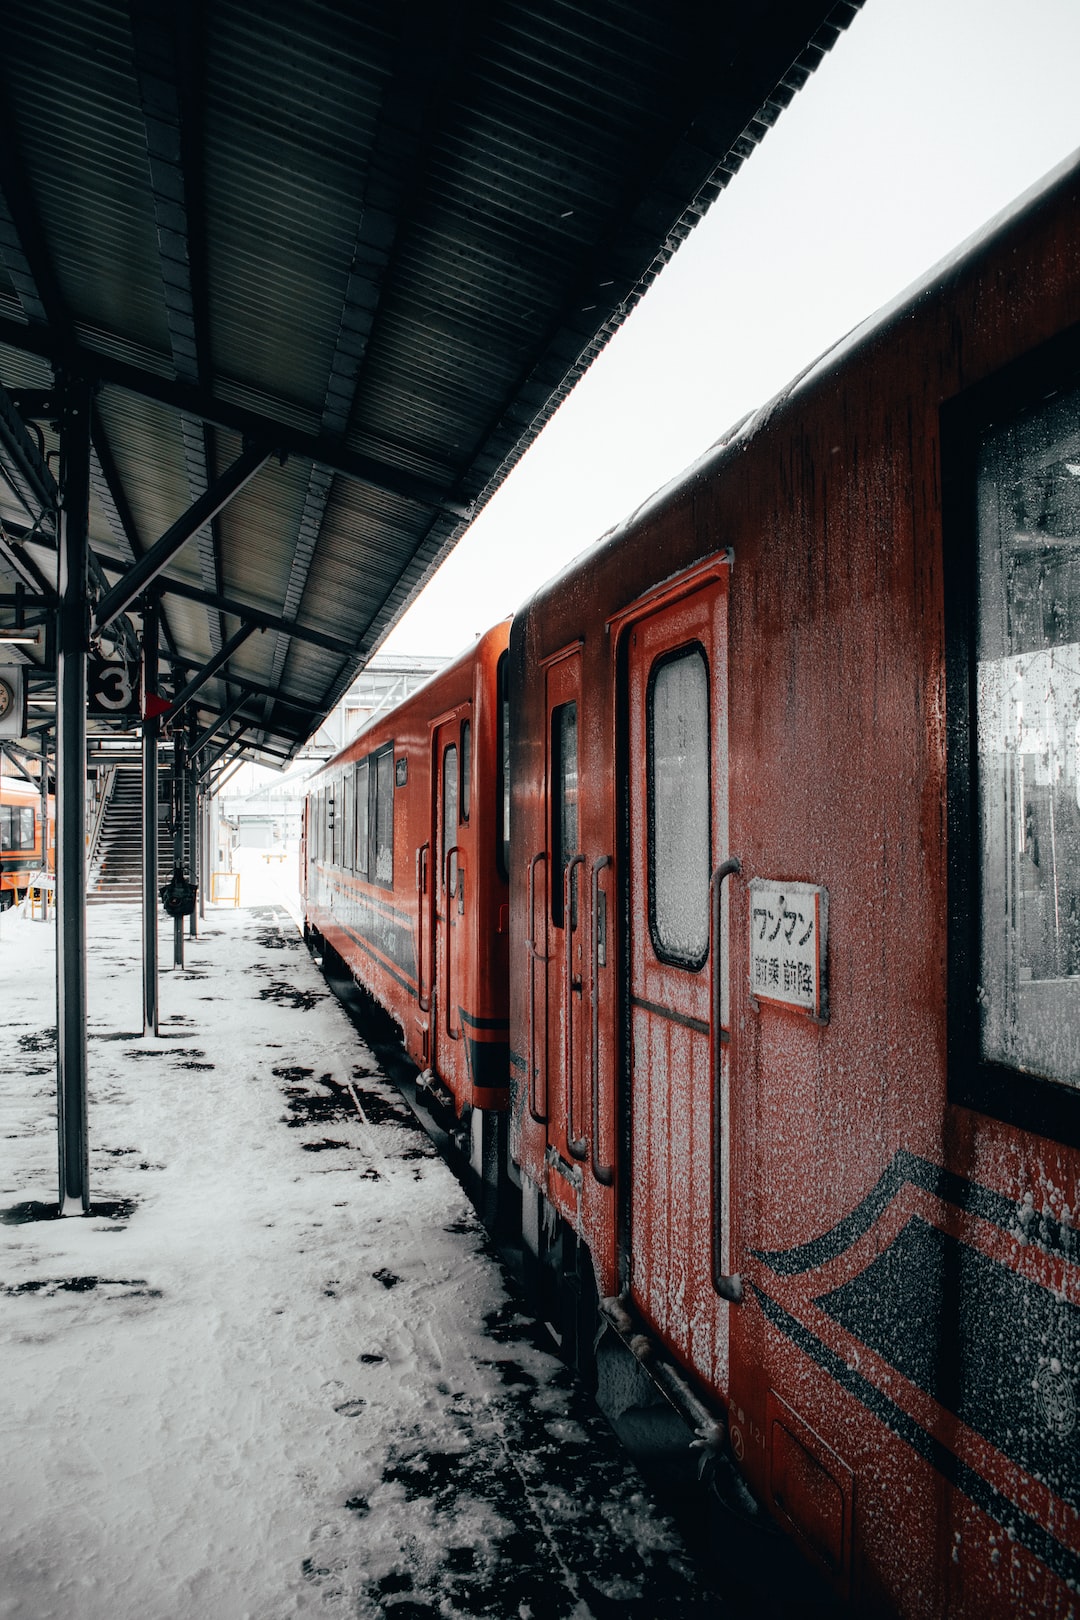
277, 1370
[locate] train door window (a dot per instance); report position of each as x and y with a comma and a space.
348, 829
17, 827
1027, 741
503, 851
450, 811
466, 768
679, 854
384, 816
362, 818
564, 810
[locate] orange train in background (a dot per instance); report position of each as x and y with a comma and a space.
21, 837
793, 1022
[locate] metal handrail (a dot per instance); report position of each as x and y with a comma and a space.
422, 935
728, 1287
534, 957
99, 819
452, 854
603, 1173
577, 1146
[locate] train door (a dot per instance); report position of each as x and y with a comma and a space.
676, 1091
556, 898
449, 880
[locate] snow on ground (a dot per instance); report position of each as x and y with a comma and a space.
278, 1371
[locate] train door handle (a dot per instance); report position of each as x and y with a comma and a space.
577, 1146
421, 934
728, 1287
603, 1173
448, 866
540, 1116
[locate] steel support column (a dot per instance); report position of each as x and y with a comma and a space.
43, 784
179, 775
72, 642
193, 823
150, 824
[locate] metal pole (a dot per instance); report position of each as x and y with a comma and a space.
179, 774
44, 787
150, 824
205, 862
71, 642
194, 852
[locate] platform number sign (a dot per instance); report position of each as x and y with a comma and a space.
112, 688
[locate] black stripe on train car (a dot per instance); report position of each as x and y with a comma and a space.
1014, 1520
994, 1348
1018, 1221
384, 929
376, 956
489, 1061
482, 1023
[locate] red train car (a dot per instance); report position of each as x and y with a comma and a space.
795, 956
404, 876
22, 850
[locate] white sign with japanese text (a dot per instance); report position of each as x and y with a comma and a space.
788, 936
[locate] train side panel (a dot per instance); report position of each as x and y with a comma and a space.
402, 873
842, 1202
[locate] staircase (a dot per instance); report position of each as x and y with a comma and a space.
116, 871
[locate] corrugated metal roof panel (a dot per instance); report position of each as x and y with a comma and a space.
380, 241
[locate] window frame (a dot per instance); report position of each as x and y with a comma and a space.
464, 772
362, 845
672, 655
1032, 1102
381, 764
560, 856
450, 820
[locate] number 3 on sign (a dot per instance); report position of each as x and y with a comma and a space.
110, 688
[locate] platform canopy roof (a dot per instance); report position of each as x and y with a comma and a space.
329, 268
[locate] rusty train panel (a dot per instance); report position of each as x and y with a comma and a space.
794, 937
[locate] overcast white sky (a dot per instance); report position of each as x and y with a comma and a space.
927, 118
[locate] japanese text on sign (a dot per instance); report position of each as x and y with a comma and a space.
788, 927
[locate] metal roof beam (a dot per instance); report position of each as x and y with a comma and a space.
25, 567
262, 620
259, 689
151, 564
200, 742
208, 671
23, 466
168, 50
107, 486
323, 448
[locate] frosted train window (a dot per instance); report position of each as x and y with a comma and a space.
679, 842
384, 816
450, 812
1028, 741
348, 820
362, 818
564, 832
